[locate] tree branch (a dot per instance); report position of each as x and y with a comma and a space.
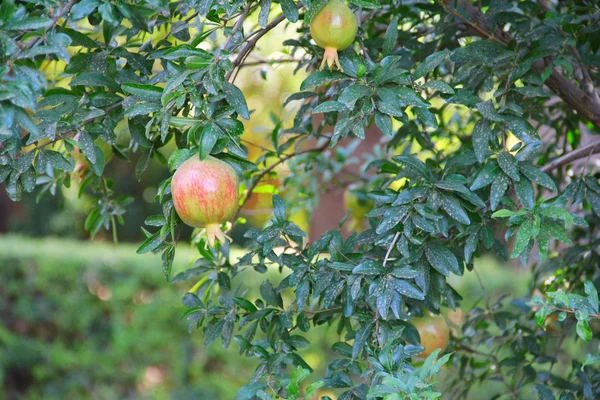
264, 172
579, 100
61, 13
252, 42
581, 152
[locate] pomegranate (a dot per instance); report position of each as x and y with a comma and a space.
205, 193
334, 28
434, 333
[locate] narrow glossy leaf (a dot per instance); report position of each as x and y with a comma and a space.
538, 176
488, 111
524, 235
329, 106
143, 92
440, 86
407, 289
289, 10
441, 259
236, 99
486, 175
391, 37
525, 193
392, 217
454, 209
430, 63
482, 133
499, 187
509, 165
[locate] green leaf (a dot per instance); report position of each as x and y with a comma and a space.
289, 10
499, 187
392, 217
93, 79
482, 134
486, 108
441, 259
544, 392
384, 123
583, 329
538, 176
321, 77
509, 165
414, 166
486, 175
208, 139
430, 63
329, 106
361, 338
178, 157
471, 245
558, 213
409, 97
503, 214
592, 293
250, 390
279, 207
352, 93
440, 86
525, 193
391, 37
29, 23
58, 161
236, 99
525, 233
369, 267
374, 4
454, 209
407, 289
143, 92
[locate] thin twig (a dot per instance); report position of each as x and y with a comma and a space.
252, 42
585, 151
389, 250
265, 171
236, 27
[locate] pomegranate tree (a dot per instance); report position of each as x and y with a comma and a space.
334, 28
205, 194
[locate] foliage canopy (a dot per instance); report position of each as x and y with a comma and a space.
483, 108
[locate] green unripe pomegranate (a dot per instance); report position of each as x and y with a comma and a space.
205, 194
334, 28
434, 333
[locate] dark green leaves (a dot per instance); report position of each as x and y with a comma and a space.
442, 259
430, 63
289, 10
391, 37
482, 134
236, 98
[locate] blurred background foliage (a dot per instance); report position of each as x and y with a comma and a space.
94, 320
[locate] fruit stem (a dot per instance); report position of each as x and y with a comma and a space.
331, 58
213, 231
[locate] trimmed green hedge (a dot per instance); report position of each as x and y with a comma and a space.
96, 321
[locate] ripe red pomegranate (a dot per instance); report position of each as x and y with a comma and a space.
334, 28
205, 193
434, 333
